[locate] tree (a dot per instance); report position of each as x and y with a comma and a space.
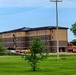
2, 50
74, 42
37, 49
73, 28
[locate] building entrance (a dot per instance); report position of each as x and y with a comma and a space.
62, 49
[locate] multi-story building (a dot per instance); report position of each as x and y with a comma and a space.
21, 38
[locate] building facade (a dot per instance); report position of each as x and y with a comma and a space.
21, 38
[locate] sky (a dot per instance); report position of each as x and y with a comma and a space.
36, 13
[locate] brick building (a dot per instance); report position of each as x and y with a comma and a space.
21, 38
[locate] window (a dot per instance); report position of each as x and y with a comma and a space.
36, 32
46, 44
42, 38
39, 32
52, 31
52, 37
46, 37
29, 32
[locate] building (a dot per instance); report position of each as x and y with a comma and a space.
21, 38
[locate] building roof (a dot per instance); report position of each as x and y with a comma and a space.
46, 27
32, 29
16, 30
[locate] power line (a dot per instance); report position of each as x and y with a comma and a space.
33, 7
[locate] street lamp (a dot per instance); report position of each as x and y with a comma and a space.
57, 26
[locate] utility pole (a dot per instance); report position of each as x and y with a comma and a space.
56, 1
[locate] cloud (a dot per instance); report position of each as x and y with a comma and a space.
37, 3
68, 4
65, 4
13, 3
20, 3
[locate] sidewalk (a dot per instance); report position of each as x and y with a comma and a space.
62, 53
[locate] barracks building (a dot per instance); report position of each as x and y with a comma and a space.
21, 38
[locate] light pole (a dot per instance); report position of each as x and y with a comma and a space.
57, 26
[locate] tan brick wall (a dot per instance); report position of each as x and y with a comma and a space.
62, 35
17, 34
39, 32
21, 34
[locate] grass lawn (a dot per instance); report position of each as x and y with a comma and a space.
14, 65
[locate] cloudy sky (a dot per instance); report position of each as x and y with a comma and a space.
35, 13
33, 3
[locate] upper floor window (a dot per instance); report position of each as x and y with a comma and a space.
52, 31
46, 37
36, 32
52, 37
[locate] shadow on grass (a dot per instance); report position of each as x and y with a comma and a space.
28, 71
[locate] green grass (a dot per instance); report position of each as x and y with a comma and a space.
14, 65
